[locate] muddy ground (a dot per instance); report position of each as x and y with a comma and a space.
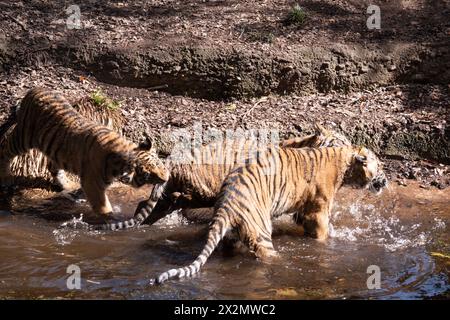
236, 64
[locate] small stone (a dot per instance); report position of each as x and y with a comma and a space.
364, 69
391, 67
305, 71
340, 66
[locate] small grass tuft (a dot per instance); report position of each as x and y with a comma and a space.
297, 15
103, 101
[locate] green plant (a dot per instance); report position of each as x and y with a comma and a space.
297, 15
101, 100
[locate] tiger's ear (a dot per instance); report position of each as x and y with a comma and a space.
319, 130
147, 143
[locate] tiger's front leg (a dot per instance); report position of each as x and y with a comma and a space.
315, 219
95, 192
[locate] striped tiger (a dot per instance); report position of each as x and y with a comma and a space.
31, 168
98, 155
284, 180
196, 185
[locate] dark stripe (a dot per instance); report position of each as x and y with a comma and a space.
48, 148
313, 164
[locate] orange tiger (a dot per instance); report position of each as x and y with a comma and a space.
47, 122
31, 169
284, 180
196, 184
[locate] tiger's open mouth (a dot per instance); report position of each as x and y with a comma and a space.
377, 184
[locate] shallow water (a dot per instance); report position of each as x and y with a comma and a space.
405, 232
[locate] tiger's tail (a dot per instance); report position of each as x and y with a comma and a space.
136, 221
216, 233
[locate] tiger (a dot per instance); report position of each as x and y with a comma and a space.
284, 180
194, 186
31, 168
46, 121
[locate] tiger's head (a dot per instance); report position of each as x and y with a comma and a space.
366, 170
145, 168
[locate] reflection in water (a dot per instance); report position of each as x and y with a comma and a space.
404, 232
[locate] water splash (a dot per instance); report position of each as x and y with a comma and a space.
174, 219
370, 226
64, 236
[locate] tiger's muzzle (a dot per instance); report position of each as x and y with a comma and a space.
138, 181
378, 183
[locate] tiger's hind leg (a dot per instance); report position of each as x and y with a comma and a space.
59, 176
11, 146
259, 239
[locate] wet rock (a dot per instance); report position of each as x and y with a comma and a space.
391, 67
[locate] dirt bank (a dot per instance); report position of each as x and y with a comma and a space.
229, 49
233, 64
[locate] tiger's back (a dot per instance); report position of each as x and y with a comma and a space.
202, 175
46, 121
34, 164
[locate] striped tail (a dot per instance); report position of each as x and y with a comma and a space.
216, 233
137, 220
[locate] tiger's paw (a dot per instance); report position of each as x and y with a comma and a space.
267, 255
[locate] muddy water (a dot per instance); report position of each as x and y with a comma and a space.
405, 232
